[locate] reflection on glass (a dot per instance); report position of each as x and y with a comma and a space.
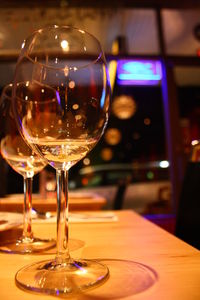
27, 163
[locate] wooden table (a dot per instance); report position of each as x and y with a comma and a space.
77, 201
119, 244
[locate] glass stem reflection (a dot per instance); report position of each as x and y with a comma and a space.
62, 217
27, 230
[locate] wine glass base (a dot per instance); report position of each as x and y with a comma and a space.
52, 277
26, 246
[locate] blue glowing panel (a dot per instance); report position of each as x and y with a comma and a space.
139, 72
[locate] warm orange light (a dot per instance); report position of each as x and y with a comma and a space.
124, 107
84, 181
112, 67
86, 161
71, 84
147, 121
113, 136
106, 154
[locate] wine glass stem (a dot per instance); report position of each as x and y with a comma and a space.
27, 230
62, 216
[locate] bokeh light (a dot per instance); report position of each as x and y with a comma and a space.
106, 154
124, 107
113, 136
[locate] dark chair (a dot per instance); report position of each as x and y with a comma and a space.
188, 215
121, 190
119, 197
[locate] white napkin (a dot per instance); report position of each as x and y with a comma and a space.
88, 217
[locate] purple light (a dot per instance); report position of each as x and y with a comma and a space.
139, 72
58, 97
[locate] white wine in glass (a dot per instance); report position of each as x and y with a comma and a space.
27, 163
14, 151
61, 102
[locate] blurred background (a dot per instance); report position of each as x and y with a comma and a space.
153, 54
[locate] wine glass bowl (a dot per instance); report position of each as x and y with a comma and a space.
27, 163
61, 101
67, 89
13, 148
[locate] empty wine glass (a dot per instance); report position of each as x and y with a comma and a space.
27, 163
61, 99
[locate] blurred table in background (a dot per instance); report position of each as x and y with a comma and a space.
77, 201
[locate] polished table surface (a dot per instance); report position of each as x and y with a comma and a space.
121, 245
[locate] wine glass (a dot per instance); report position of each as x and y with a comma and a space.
61, 99
27, 163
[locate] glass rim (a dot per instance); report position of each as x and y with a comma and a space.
93, 62
5, 90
